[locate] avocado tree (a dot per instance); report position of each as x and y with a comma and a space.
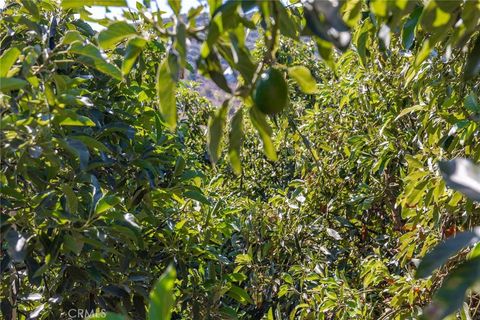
104, 180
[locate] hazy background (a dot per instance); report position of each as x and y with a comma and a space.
99, 12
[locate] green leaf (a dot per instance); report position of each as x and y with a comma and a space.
304, 79
449, 298
240, 295
91, 56
379, 8
75, 148
71, 197
361, 40
73, 243
175, 5
68, 4
79, 120
471, 103
260, 123
32, 9
410, 27
181, 42
115, 33
161, 297
287, 26
472, 67
325, 49
196, 195
228, 313
352, 12
442, 252
179, 166
106, 203
166, 89
9, 84
7, 60
92, 143
215, 131
409, 110
437, 15
72, 36
134, 49
462, 175
236, 141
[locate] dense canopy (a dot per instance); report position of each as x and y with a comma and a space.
310, 159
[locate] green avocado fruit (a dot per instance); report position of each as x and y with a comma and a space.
271, 92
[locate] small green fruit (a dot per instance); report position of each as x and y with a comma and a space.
271, 92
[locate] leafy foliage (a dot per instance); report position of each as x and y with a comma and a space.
110, 199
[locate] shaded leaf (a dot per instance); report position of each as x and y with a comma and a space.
216, 124
449, 298
9, 84
442, 252
410, 27
196, 195
472, 67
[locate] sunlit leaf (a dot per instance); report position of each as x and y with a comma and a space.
304, 79
106, 203
133, 50
7, 60
260, 123
115, 33
236, 141
161, 297
77, 121
91, 56
410, 27
175, 5
166, 89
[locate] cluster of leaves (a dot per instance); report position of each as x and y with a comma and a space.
99, 194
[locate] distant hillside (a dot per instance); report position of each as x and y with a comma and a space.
207, 87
